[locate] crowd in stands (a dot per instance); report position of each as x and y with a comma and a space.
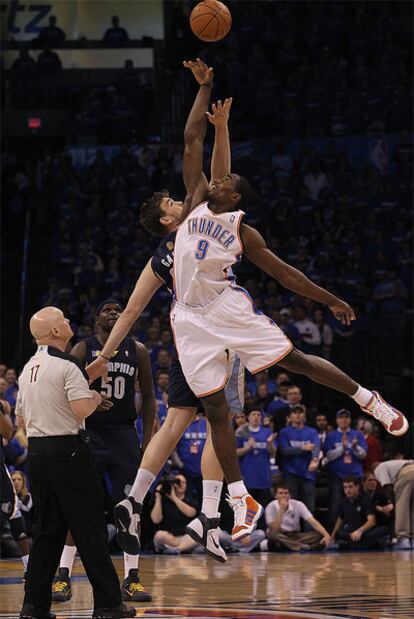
314, 69
314, 472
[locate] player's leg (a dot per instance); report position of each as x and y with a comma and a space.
62, 586
125, 458
204, 529
260, 344
246, 510
127, 512
326, 373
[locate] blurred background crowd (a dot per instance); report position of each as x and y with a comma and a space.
321, 127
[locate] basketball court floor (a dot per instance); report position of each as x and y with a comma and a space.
366, 585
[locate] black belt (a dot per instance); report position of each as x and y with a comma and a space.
53, 443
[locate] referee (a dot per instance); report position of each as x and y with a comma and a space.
54, 400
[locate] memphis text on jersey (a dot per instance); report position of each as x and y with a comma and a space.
116, 366
210, 229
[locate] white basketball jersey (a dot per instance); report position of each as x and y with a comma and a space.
206, 246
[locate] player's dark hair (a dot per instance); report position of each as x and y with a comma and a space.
150, 213
243, 187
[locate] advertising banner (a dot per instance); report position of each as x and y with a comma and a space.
22, 20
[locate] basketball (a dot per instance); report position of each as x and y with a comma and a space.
210, 20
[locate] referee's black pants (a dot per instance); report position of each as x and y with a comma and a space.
67, 494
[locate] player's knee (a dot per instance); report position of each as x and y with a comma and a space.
178, 419
216, 411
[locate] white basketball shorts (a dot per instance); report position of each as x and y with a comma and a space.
230, 322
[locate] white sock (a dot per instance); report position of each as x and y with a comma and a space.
237, 489
130, 563
211, 497
25, 560
362, 396
68, 557
141, 485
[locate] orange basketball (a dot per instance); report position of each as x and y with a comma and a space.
210, 20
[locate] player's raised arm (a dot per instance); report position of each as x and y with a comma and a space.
256, 250
194, 133
221, 157
145, 288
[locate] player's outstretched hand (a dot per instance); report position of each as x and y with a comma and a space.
220, 112
97, 368
203, 74
343, 312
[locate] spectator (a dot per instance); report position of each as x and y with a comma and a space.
315, 180
10, 394
3, 387
384, 507
20, 522
374, 452
299, 446
23, 76
345, 450
288, 327
172, 511
240, 420
309, 332
246, 544
355, 526
263, 398
262, 378
115, 36
162, 380
283, 516
321, 424
52, 35
279, 401
49, 67
281, 416
189, 451
3, 368
255, 447
325, 333
398, 476
163, 360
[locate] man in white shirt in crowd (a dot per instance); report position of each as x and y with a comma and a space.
283, 517
309, 332
398, 476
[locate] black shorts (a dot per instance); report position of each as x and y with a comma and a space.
179, 393
116, 451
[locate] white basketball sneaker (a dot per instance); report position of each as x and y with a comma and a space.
127, 517
205, 532
392, 419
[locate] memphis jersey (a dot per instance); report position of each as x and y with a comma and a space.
163, 260
120, 386
206, 246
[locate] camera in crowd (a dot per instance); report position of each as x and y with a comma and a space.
166, 484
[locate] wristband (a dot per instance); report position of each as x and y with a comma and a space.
107, 358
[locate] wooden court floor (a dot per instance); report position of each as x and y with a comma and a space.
377, 585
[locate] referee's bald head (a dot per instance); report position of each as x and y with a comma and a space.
49, 325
